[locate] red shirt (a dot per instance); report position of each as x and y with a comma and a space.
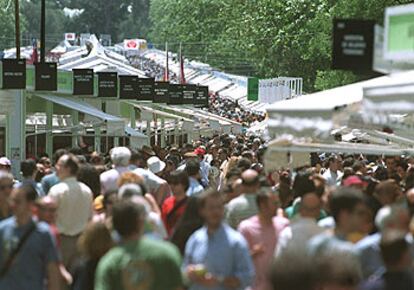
172, 211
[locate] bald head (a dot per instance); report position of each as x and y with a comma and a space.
250, 177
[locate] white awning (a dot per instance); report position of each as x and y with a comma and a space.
115, 125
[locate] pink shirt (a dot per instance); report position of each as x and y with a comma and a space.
255, 233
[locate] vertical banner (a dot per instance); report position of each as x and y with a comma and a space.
176, 94
353, 44
83, 82
107, 84
161, 92
189, 93
201, 97
253, 89
128, 87
46, 76
145, 89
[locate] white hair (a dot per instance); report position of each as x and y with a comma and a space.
129, 190
120, 156
388, 216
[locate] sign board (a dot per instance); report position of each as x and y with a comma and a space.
353, 44
176, 94
107, 84
201, 97
399, 33
253, 89
189, 93
128, 87
14, 74
145, 89
161, 92
70, 36
83, 82
46, 76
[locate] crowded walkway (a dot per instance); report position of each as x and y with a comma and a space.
206, 216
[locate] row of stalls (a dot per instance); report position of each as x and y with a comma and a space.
370, 117
225, 85
33, 123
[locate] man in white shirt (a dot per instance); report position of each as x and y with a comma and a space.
332, 174
74, 200
120, 157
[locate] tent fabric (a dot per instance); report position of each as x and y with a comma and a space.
115, 125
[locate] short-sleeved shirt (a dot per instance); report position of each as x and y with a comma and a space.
74, 201
109, 179
267, 235
224, 253
144, 264
29, 269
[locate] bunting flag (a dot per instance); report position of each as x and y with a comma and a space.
182, 74
166, 69
35, 56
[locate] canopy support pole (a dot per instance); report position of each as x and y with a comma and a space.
97, 139
75, 120
49, 128
162, 133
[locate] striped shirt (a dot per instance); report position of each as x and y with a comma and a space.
241, 208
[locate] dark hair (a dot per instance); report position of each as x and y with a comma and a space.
235, 172
28, 167
393, 246
357, 166
344, 198
188, 224
29, 191
89, 175
179, 177
136, 156
71, 162
211, 193
125, 217
107, 196
294, 270
303, 183
244, 164
192, 167
59, 153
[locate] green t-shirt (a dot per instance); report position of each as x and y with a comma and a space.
140, 265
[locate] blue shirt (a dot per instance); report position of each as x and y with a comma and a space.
224, 254
195, 187
37, 186
29, 269
49, 181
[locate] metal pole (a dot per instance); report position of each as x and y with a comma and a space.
17, 27
42, 31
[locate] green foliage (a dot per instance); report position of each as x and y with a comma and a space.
269, 37
6, 24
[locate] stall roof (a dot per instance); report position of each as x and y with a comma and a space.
157, 112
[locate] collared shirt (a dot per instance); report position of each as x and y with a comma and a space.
297, 234
28, 271
74, 201
109, 179
204, 170
241, 208
224, 254
331, 177
152, 181
267, 236
195, 187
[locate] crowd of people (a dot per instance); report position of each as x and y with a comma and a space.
151, 68
206, 216
232, 110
